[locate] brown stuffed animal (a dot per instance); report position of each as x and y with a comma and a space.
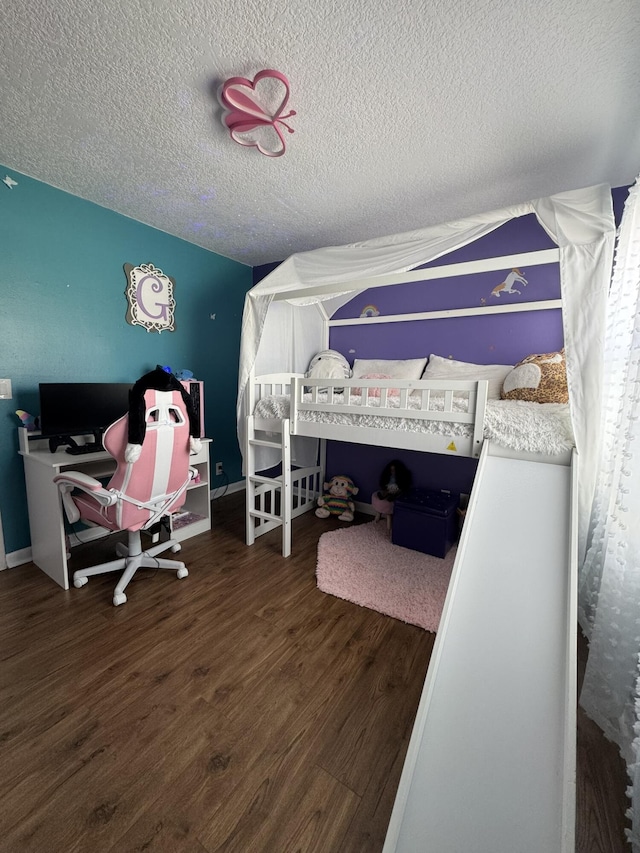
538, 379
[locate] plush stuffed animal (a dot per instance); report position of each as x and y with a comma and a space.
538, 378
159, 379
337, 499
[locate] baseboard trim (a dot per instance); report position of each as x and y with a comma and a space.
19, 558
364, 508
25, 555
88, 535
229, 489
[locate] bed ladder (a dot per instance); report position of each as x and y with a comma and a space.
268, 499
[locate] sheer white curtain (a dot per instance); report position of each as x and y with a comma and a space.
609, 594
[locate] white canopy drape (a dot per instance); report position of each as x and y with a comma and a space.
282, 335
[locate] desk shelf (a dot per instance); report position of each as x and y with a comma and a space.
194, 516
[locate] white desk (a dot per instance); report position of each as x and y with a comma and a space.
46, 515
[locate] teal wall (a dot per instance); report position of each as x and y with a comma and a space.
62, 318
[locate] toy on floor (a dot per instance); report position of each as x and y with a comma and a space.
395, 480
336, 499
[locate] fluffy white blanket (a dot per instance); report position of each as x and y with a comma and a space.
533, 427
522, 426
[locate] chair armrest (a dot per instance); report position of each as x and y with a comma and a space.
79, 481
70, 480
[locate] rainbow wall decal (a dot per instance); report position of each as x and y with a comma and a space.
370, 311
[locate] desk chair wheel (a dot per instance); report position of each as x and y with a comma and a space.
78, 582
119, 598
175, 548
182, 573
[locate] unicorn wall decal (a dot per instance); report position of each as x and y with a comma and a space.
507, 285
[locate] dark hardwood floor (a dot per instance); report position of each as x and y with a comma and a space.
239, 709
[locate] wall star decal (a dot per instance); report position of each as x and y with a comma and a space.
254, 111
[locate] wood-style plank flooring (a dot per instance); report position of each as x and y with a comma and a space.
239, 709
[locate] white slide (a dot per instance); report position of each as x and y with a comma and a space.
490, 767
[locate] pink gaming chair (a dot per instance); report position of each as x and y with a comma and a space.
139, 493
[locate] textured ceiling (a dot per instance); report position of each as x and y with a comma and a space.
407, 113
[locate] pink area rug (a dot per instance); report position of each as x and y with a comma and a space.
360, 564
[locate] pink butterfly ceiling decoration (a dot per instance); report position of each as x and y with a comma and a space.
254, 111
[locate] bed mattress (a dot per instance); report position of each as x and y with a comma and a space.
516, 424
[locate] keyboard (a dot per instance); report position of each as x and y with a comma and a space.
84, 448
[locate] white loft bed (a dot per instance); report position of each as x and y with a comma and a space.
287, 316
281, 409
491, 761
451, 417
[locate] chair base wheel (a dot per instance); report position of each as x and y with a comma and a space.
78, 582
119, 598
182, 573
175, 548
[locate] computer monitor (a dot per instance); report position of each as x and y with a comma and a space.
78, 408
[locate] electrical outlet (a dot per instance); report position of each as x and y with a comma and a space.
218, 469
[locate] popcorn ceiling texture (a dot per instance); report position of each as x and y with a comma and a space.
407, 114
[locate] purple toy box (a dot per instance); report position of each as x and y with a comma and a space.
426, 521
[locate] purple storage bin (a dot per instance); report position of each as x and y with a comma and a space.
426, 521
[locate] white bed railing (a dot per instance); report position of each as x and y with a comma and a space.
267, 385
317, 404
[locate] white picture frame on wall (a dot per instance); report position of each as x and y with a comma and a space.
150, 300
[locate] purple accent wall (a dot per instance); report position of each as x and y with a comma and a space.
483, 340
364, 465
523, 234
263, 270
619, 196
493, 339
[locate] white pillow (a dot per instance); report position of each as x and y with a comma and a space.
408, 368
448, 368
